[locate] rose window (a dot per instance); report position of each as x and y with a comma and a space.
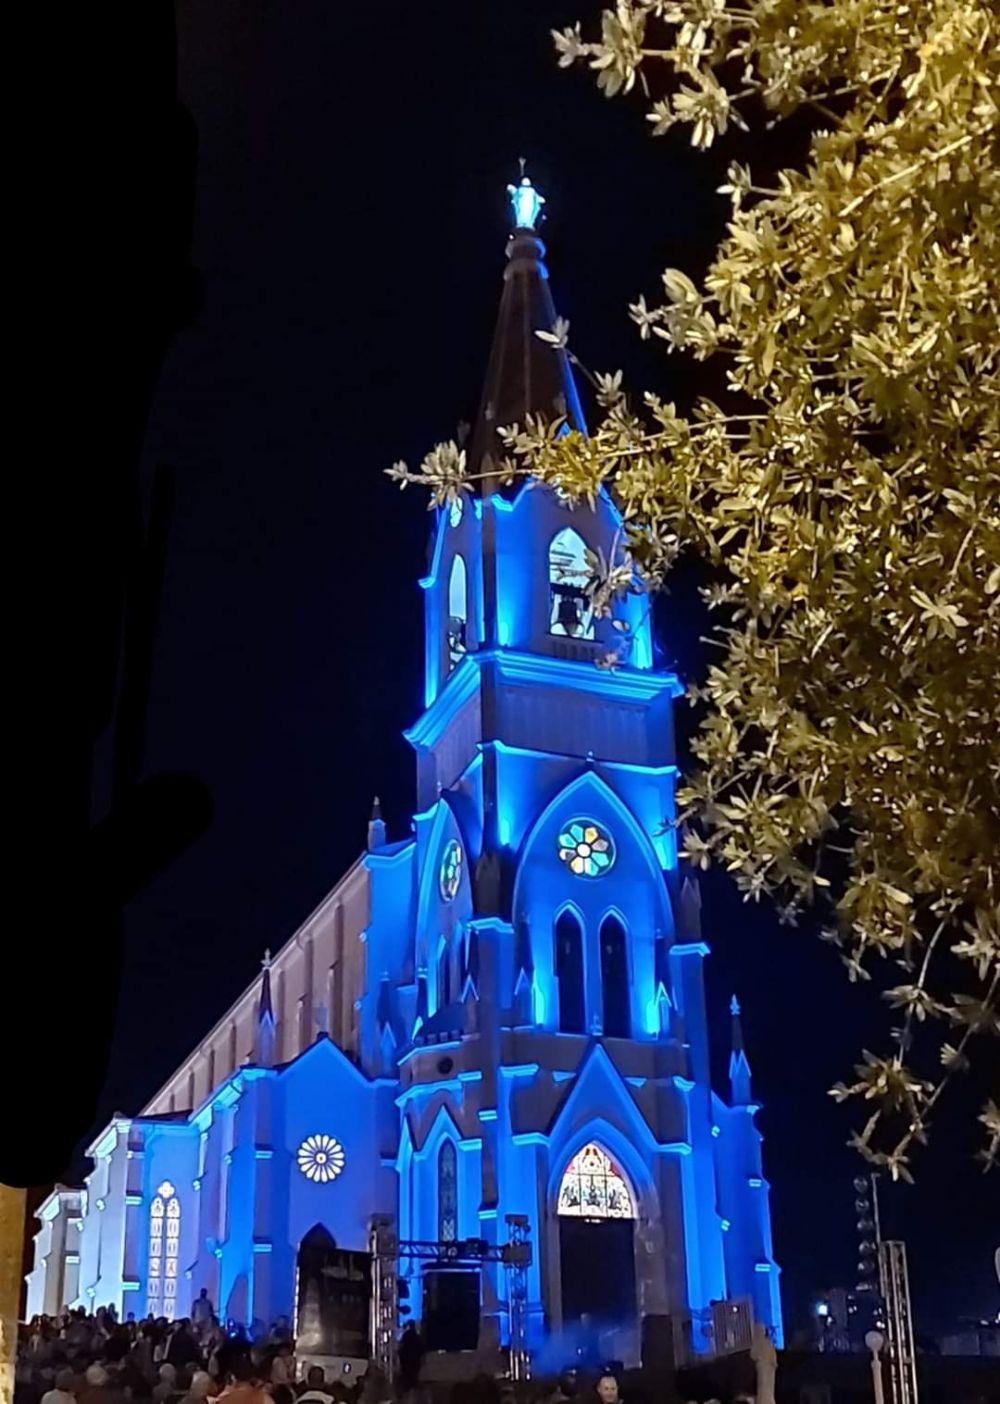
450, 874
321, 1158
586, 848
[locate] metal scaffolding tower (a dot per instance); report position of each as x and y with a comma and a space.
894, 1281
383, 1319
516, 1258
891, 1314
386, 1251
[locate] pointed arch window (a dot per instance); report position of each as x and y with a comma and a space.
614, 979
569, 973
444, 990
458, 610
594, 1187
447, 1193
164, 1250
571, 611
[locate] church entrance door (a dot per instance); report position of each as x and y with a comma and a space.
451, 1309
332, 1298
597, 1214
597, 1262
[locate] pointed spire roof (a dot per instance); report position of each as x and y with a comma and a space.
525, 375
265, 1009
739, 1066
264, 1041
734, 1014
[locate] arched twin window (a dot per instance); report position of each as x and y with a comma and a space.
569, 973
164, 1248
447, 1193
458, 610
614, 979
571, 612
616, 1018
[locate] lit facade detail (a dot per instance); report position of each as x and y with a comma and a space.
586, 848
501, 1010
593, 1187
450, 875
321, 1158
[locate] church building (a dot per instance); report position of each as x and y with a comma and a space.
491, 1032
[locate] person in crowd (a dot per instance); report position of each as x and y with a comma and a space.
316, 1391
62, 1391
97, 1387
135, 1383
165, 1390
283, 1364
411, 1357
202, 1313
607, 1390
567, 1387
243, 1386
375, 1387
201, 1388
183, 1349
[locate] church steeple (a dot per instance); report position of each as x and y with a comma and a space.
525, 374
264, 1041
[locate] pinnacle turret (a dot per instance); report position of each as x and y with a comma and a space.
739, 1067
264, 1041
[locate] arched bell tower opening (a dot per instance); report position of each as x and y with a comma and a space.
571, 611
597, 1213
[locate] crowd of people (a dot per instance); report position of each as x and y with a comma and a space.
82, 1358
79, 1358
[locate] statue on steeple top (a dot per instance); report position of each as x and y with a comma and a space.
525, 202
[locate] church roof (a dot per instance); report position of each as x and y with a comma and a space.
525, 374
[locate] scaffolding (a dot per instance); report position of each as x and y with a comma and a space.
516, 1258
894, 1281
387, 1250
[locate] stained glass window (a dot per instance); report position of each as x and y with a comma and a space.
593, 1187
450, 875
447, 1193
161, 1273
586, 848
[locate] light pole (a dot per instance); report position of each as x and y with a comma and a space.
875, 1340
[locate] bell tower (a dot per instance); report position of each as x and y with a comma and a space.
560, 1041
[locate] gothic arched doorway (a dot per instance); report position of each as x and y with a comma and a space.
597, 1213
332, 1296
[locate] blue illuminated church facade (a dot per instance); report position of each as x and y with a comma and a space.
500, 1019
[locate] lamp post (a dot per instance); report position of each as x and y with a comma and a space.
875, 1340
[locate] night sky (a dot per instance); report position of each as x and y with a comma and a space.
350, 228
